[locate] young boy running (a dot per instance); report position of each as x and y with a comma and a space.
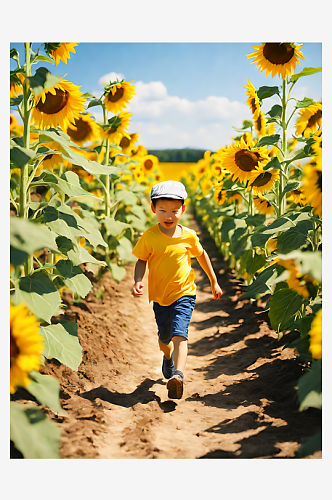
167, 247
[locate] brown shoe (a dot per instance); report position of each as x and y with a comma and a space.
175, 385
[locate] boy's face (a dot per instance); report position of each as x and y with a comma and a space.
168, 212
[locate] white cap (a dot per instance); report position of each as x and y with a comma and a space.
169, 189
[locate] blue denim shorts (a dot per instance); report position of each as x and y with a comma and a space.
174, 319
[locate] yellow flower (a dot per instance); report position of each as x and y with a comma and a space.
206, 185
317, 145
116, 131
261, 181
149, 163
219, 195
13, 122
139, 175
127, 143
51, 160
260, 124
263, 205
15, 88
83, 129
252, 101
26, 346
235, 198
118, 95
312, 186
217, 170
59, 105
280, 58
316, 335
242, 158
296, 280
62, 52
309, 120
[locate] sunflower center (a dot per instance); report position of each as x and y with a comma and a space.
48, 157
246, 160
81, 132
148, 164
125, 142
259, 123
53, 103
253, 105
278, 53
117, 96
14, 350
319, 180
262, 179
314, 118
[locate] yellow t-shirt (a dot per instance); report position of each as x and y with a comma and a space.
169, 263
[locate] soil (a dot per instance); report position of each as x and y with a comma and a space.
239, 396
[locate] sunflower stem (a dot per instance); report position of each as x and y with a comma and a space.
106, 162
251, 203
282, 199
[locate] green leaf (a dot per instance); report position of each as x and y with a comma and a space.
43, 80
264, 92
39, 294
61, 343
17, 257
29, 237
118, 272
312, 444
260, 237
16, 101
113, 227
124, 250
228, 227
68, 183
136, 222
275, 111
290, 186
46, 390
73, 277
284, 304
66, 144
14, 55
41, 57
252, 261
32, 432
304, 103
65, 222
20, 156
274, 163
294, 237
79, 255
261, 283
310, 387
304, 72
268, 140
94, 102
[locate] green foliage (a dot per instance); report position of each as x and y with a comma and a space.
61, 343
264, 92
305, 72
46, 390
73, 277
43, 80
19, 156
178, 155
312, 444
310, 387
284, 305
32, 432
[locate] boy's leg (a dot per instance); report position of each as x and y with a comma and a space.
167, 349
180, 352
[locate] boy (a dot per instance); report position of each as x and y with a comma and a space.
167, 247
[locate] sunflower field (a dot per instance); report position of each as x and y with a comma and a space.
260, 198
77, 200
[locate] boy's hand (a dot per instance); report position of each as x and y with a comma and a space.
138, 288
216, 290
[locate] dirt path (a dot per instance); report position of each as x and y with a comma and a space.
239, 399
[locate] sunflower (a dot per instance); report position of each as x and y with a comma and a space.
62, 52
261, 181
219, 195
297, 196
26, 346
116, 131
296, 280
149, 163
206, 185
16, 88
51, 160
252, 101
13, 122
312, 186
242, 158
317, 145
117, 95
83, 129
260, 125
217, 170
309, 120
263, 205
127, 143
139, 175
280, 58
235, 198
59, 105
315, 333
138, 152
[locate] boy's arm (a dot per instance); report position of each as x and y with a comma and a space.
206, 265
138, 277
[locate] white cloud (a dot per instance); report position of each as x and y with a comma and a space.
167, 121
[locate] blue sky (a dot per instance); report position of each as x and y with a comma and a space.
187, 94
